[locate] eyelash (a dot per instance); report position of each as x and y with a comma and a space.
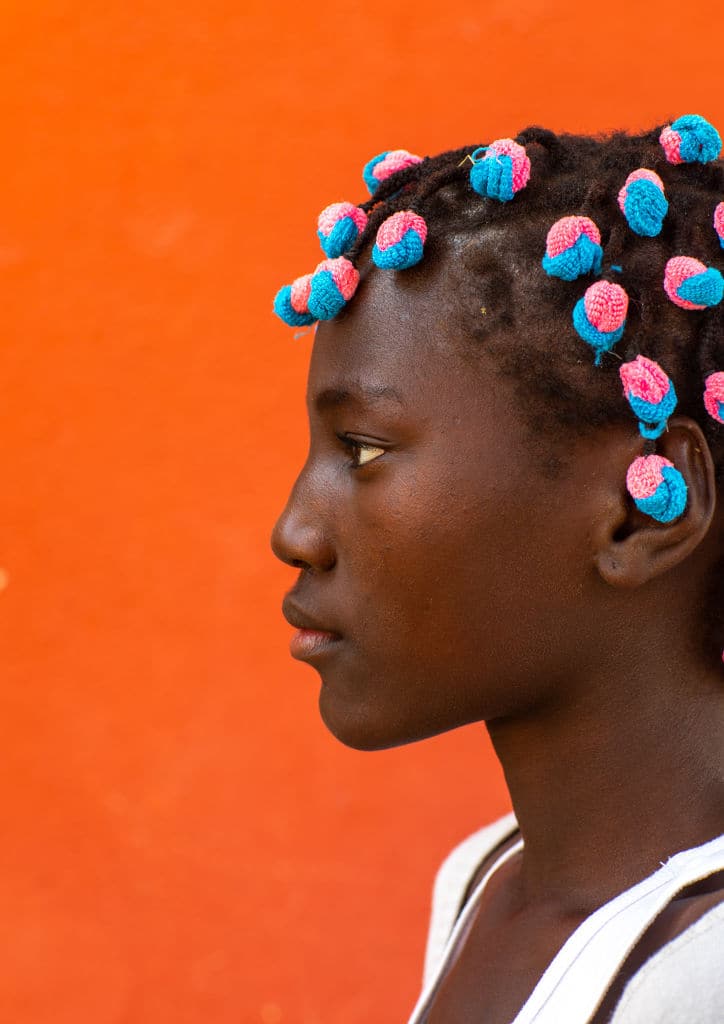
355, 447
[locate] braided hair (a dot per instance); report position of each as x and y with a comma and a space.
506, 302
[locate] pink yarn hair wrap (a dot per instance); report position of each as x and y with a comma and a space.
606, 305
671, 143
519, 159
393, 230
300, 293
330, 215
714, 395
645, 379
396, 160
644, 475
344, 274
642, 174
566, 232
678, 270
719, 222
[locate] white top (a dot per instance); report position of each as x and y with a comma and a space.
683, 983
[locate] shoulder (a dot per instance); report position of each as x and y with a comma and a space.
683, 981
452, 881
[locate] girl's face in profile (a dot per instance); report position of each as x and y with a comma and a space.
450, 567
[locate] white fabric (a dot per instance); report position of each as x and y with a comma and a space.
451, 881
683, 982
576, 980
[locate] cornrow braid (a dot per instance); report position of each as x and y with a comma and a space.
570, 175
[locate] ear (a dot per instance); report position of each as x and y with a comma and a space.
632, 547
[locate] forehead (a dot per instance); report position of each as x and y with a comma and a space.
396, 335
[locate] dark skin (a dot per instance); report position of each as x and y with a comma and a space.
466, 584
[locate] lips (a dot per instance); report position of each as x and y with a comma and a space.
300, 619
312, 637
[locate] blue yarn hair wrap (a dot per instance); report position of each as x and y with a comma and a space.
653, 417
493, 178
583, 257
700, 141
325, 298
645, 208
369, 179
669, 500
600, 341
340, 239
706, 289
286, 312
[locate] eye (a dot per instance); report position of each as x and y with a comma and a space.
362, 452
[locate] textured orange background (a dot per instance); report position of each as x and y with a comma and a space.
181, 841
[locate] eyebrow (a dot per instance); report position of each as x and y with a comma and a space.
333, 397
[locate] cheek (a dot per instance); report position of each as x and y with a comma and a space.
421, 575
460, 591
443, 552
459, 587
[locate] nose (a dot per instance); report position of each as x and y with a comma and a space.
301, 535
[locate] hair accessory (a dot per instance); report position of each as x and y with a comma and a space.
339, 226
600, 316
502, 171
650, 393
690, 139
691, 284
400, 241
643, 202
291, 303
657, 487
714, 395
573, 248
333, 284
719, 223
380, 167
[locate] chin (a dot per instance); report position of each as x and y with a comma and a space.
365, 728
355, 730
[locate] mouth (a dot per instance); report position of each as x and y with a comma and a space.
307, 644
312, 638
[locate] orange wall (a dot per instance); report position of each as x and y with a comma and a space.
181, 840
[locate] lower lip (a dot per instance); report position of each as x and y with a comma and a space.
306, 643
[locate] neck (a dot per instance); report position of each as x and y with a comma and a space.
606, 789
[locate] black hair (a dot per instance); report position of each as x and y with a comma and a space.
504, 286
507, 304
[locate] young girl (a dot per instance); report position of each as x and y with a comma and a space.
509, 514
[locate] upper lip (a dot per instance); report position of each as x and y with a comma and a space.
299, 618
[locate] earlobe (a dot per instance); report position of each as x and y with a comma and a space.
637, 547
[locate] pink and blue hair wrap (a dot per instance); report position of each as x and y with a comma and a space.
719, 223
657, 487
573, 248
650, 393
690, 139
600, 316
333, 284
714, 396
643, 202
318, 296
689, 283
500, 170
339, 226
400, 241
380, 167
655, 484
291, 303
